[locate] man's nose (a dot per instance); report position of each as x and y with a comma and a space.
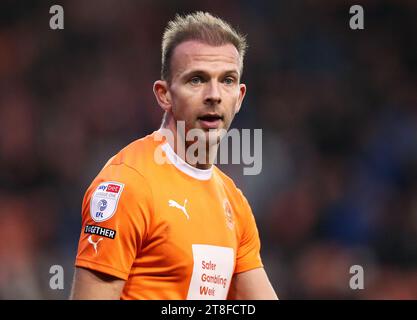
212, 95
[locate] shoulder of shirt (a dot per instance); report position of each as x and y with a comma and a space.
235, 196
227, 181
138, 155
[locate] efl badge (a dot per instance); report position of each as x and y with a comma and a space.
104, 201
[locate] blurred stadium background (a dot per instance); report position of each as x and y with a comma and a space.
338, 109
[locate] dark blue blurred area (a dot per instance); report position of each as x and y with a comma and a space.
338, 109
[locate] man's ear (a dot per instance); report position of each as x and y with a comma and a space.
162, 94
242, 92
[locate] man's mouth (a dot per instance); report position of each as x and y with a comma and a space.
210, 121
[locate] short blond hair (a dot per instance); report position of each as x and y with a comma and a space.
200, 26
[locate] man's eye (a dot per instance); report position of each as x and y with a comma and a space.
196, 80
229, 80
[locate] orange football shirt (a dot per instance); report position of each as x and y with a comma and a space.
172, 231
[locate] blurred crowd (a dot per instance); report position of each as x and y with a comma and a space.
338, 110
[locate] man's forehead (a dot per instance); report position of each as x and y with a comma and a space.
190, 53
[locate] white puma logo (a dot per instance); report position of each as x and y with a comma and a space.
173, 203
90, 240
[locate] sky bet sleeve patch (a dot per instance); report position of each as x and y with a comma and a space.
104, 201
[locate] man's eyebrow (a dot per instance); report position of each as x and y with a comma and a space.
203, 72
232, 72
194, 73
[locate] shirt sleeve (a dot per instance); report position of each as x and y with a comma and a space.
116, 214
248, 253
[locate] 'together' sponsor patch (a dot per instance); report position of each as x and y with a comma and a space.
105, 199
108, 233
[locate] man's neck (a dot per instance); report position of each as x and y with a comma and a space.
180, 145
